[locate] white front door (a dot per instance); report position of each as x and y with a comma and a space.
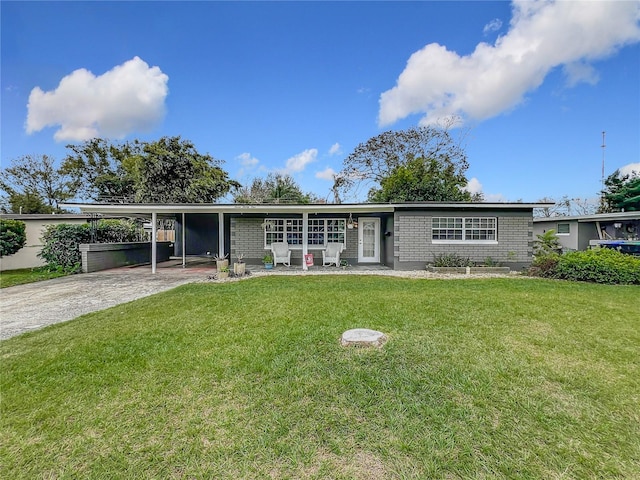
368, 240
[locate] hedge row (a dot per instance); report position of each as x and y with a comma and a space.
599, 265
61, 248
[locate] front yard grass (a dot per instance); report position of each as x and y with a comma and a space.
492, 378
10, 278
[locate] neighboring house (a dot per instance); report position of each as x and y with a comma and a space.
581, 232
27, 256
402, 236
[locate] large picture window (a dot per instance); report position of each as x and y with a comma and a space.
320, 231
461, 229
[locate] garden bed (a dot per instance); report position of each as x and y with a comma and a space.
468, 270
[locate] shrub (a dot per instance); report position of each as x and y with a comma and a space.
451, 260
61, 248
12, 236
544, 265
600, 265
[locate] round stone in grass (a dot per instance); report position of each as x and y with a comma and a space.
363, 337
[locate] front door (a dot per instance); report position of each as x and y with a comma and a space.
368, 240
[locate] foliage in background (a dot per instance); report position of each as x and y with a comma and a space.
276, 188
101, 170
12, 236
61, 243
32, 184
599, 265
403, 156
621, 193
420, 179
171, 170
565, 206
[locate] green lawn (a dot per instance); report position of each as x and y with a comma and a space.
10, 278
495, 378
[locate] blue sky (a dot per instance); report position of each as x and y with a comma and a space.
295, 86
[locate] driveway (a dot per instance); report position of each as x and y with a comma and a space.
28, 307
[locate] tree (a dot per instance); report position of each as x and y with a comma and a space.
394, 157
276, 188
422, 180
12, 236
565, 207
621, 193
101, 170
171, 170
35, 184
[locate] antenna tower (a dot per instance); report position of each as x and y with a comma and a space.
604, 146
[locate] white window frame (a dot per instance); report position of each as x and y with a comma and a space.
319, 232
563, 233
465, 230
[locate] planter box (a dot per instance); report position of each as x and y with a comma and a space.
468, 270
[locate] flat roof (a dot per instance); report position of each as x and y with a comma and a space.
240, 208
596, 217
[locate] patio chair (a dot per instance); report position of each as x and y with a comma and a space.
331, 255
281, 253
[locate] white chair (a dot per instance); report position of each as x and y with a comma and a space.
331, 255
281, 253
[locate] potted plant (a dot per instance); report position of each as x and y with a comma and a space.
268, 261
223, 273
239, 266
221, 262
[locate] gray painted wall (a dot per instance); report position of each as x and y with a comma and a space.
413, 248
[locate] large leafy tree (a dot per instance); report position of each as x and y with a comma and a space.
12, 236
171, 170
621, 193
102, 170
395, 162
33, 184
422, 180
276, 188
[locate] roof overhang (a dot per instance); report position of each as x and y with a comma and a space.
239, 209
598, 217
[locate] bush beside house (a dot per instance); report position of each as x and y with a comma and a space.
599, 265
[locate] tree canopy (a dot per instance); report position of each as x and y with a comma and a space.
417, 164
276, 188
621, 193
169, 170
33, 184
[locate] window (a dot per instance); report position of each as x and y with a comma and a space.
320, 231
461, 229
563, 229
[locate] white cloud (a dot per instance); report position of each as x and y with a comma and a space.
632, 169
335, 149
248, 163
493, 26
246, 160
494, 78
474, 186
326, 174
128, 98
298, 162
